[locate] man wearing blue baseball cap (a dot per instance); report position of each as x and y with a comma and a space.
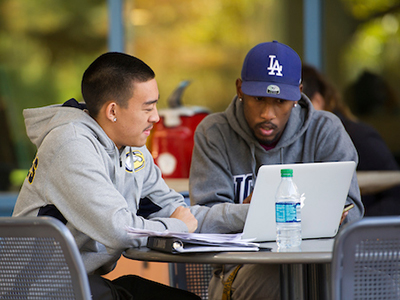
269, 121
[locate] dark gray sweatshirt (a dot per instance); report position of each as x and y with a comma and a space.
226, 156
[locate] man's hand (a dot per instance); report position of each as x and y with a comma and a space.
248, 198
184, 214
346, 211
344, 215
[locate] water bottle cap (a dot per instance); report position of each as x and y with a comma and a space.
286, 172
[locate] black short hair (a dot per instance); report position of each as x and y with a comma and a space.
111, 77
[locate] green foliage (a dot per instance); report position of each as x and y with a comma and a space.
375, 45
364, 9
203, 41
45, 45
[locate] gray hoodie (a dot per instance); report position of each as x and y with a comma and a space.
226, 156
97, 188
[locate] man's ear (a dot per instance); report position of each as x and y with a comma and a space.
301, 87
111, 111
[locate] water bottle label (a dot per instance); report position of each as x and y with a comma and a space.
287, 212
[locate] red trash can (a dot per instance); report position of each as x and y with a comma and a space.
171, 142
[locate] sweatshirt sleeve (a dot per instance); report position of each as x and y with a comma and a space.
158, 192
80, 187
220, 218
210, 168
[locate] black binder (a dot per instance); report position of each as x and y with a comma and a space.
177, 245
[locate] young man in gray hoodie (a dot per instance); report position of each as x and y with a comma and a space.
93, 172
268, 122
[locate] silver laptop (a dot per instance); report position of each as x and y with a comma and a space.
325, 187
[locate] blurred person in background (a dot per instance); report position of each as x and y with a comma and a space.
370, 94
373, 153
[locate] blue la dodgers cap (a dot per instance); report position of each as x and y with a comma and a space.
272, 70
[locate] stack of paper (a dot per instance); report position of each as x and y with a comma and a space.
177, 242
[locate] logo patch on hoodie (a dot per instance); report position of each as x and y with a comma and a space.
138, 161
243, 186
32, 170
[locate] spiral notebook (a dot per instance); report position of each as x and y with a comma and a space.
325, 187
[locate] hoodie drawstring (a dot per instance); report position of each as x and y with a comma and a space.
253, 162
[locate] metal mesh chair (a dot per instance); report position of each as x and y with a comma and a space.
191, 277
366, 260
40, 260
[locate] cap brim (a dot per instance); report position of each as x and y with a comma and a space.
268, 89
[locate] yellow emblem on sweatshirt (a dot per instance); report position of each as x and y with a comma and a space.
138, 161
32, 170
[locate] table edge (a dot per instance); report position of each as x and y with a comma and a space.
263, 257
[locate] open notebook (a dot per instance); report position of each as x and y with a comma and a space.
325, 187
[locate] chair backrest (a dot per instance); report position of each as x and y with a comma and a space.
366, 260
194, 278
40, 260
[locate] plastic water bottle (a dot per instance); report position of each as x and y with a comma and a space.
288, 212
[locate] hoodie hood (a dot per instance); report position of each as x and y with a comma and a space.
41, 121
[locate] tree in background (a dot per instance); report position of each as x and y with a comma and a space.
45, 45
